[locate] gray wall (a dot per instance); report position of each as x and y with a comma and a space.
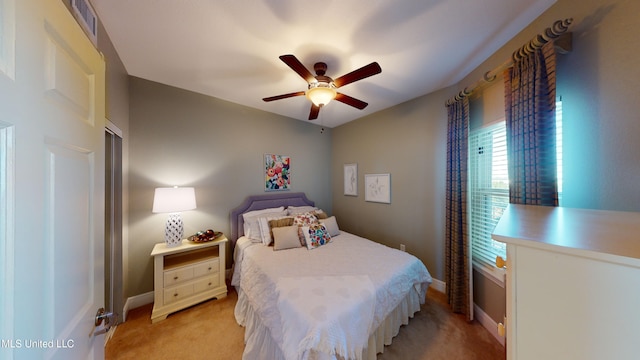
407, 141
187, 139
598, 82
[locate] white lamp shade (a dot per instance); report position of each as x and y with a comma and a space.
174, 199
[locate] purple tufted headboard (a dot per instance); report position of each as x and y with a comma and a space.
263, 201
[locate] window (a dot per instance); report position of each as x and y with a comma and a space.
489, 190
559, 147
489, 193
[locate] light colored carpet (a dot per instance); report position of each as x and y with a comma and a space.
209, 331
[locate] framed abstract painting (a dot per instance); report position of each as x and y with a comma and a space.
277, 172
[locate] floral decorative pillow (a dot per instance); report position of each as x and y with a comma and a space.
316, 235
305, 219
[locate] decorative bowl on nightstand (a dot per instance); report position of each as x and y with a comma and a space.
204, 236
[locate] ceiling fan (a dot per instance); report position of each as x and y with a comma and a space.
321, 88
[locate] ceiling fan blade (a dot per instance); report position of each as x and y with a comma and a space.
284, 96
346, 99
355, 75
297, 66
313, 114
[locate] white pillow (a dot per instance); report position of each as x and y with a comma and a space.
261, 212
256, 232
285, 237
252, 228
332, 225
251, 221
295, 210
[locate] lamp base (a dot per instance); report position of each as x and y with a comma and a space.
174, 230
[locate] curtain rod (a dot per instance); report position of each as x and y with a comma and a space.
557, 32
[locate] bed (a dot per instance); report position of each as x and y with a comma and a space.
334, 296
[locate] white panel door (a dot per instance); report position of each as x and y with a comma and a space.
51, 184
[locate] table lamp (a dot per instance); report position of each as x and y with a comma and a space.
173, 200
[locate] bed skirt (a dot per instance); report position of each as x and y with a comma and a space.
259, 344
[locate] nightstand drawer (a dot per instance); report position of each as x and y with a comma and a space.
205, 284
207, 268
177, 276
177, 293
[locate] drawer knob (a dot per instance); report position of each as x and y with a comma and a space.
175, 278
176, 294
210, 268
209, 284
500, 262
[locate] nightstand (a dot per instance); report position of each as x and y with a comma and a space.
187, 274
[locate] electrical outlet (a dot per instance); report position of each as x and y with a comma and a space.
402, 248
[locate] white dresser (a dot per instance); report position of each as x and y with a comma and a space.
187, 274
573, 283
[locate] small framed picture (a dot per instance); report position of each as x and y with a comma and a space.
277, 172
351, 179
377, 188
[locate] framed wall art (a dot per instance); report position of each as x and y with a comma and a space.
377, 188
351, 179
277, 172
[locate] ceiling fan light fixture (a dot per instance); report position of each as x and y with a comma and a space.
322, 89
320, 93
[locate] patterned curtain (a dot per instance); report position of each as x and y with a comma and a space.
530, 98
457, 272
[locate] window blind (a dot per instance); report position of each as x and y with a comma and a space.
489, 191
489, 187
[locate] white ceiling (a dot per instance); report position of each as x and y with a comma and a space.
229, 49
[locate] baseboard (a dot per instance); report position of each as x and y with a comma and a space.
439, 285
485, 320
488, 323
109, 334
136, 301
147, 298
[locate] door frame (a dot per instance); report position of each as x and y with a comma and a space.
114, 291
7, 237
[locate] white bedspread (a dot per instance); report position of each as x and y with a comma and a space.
330, 314
265, 276
238, 255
